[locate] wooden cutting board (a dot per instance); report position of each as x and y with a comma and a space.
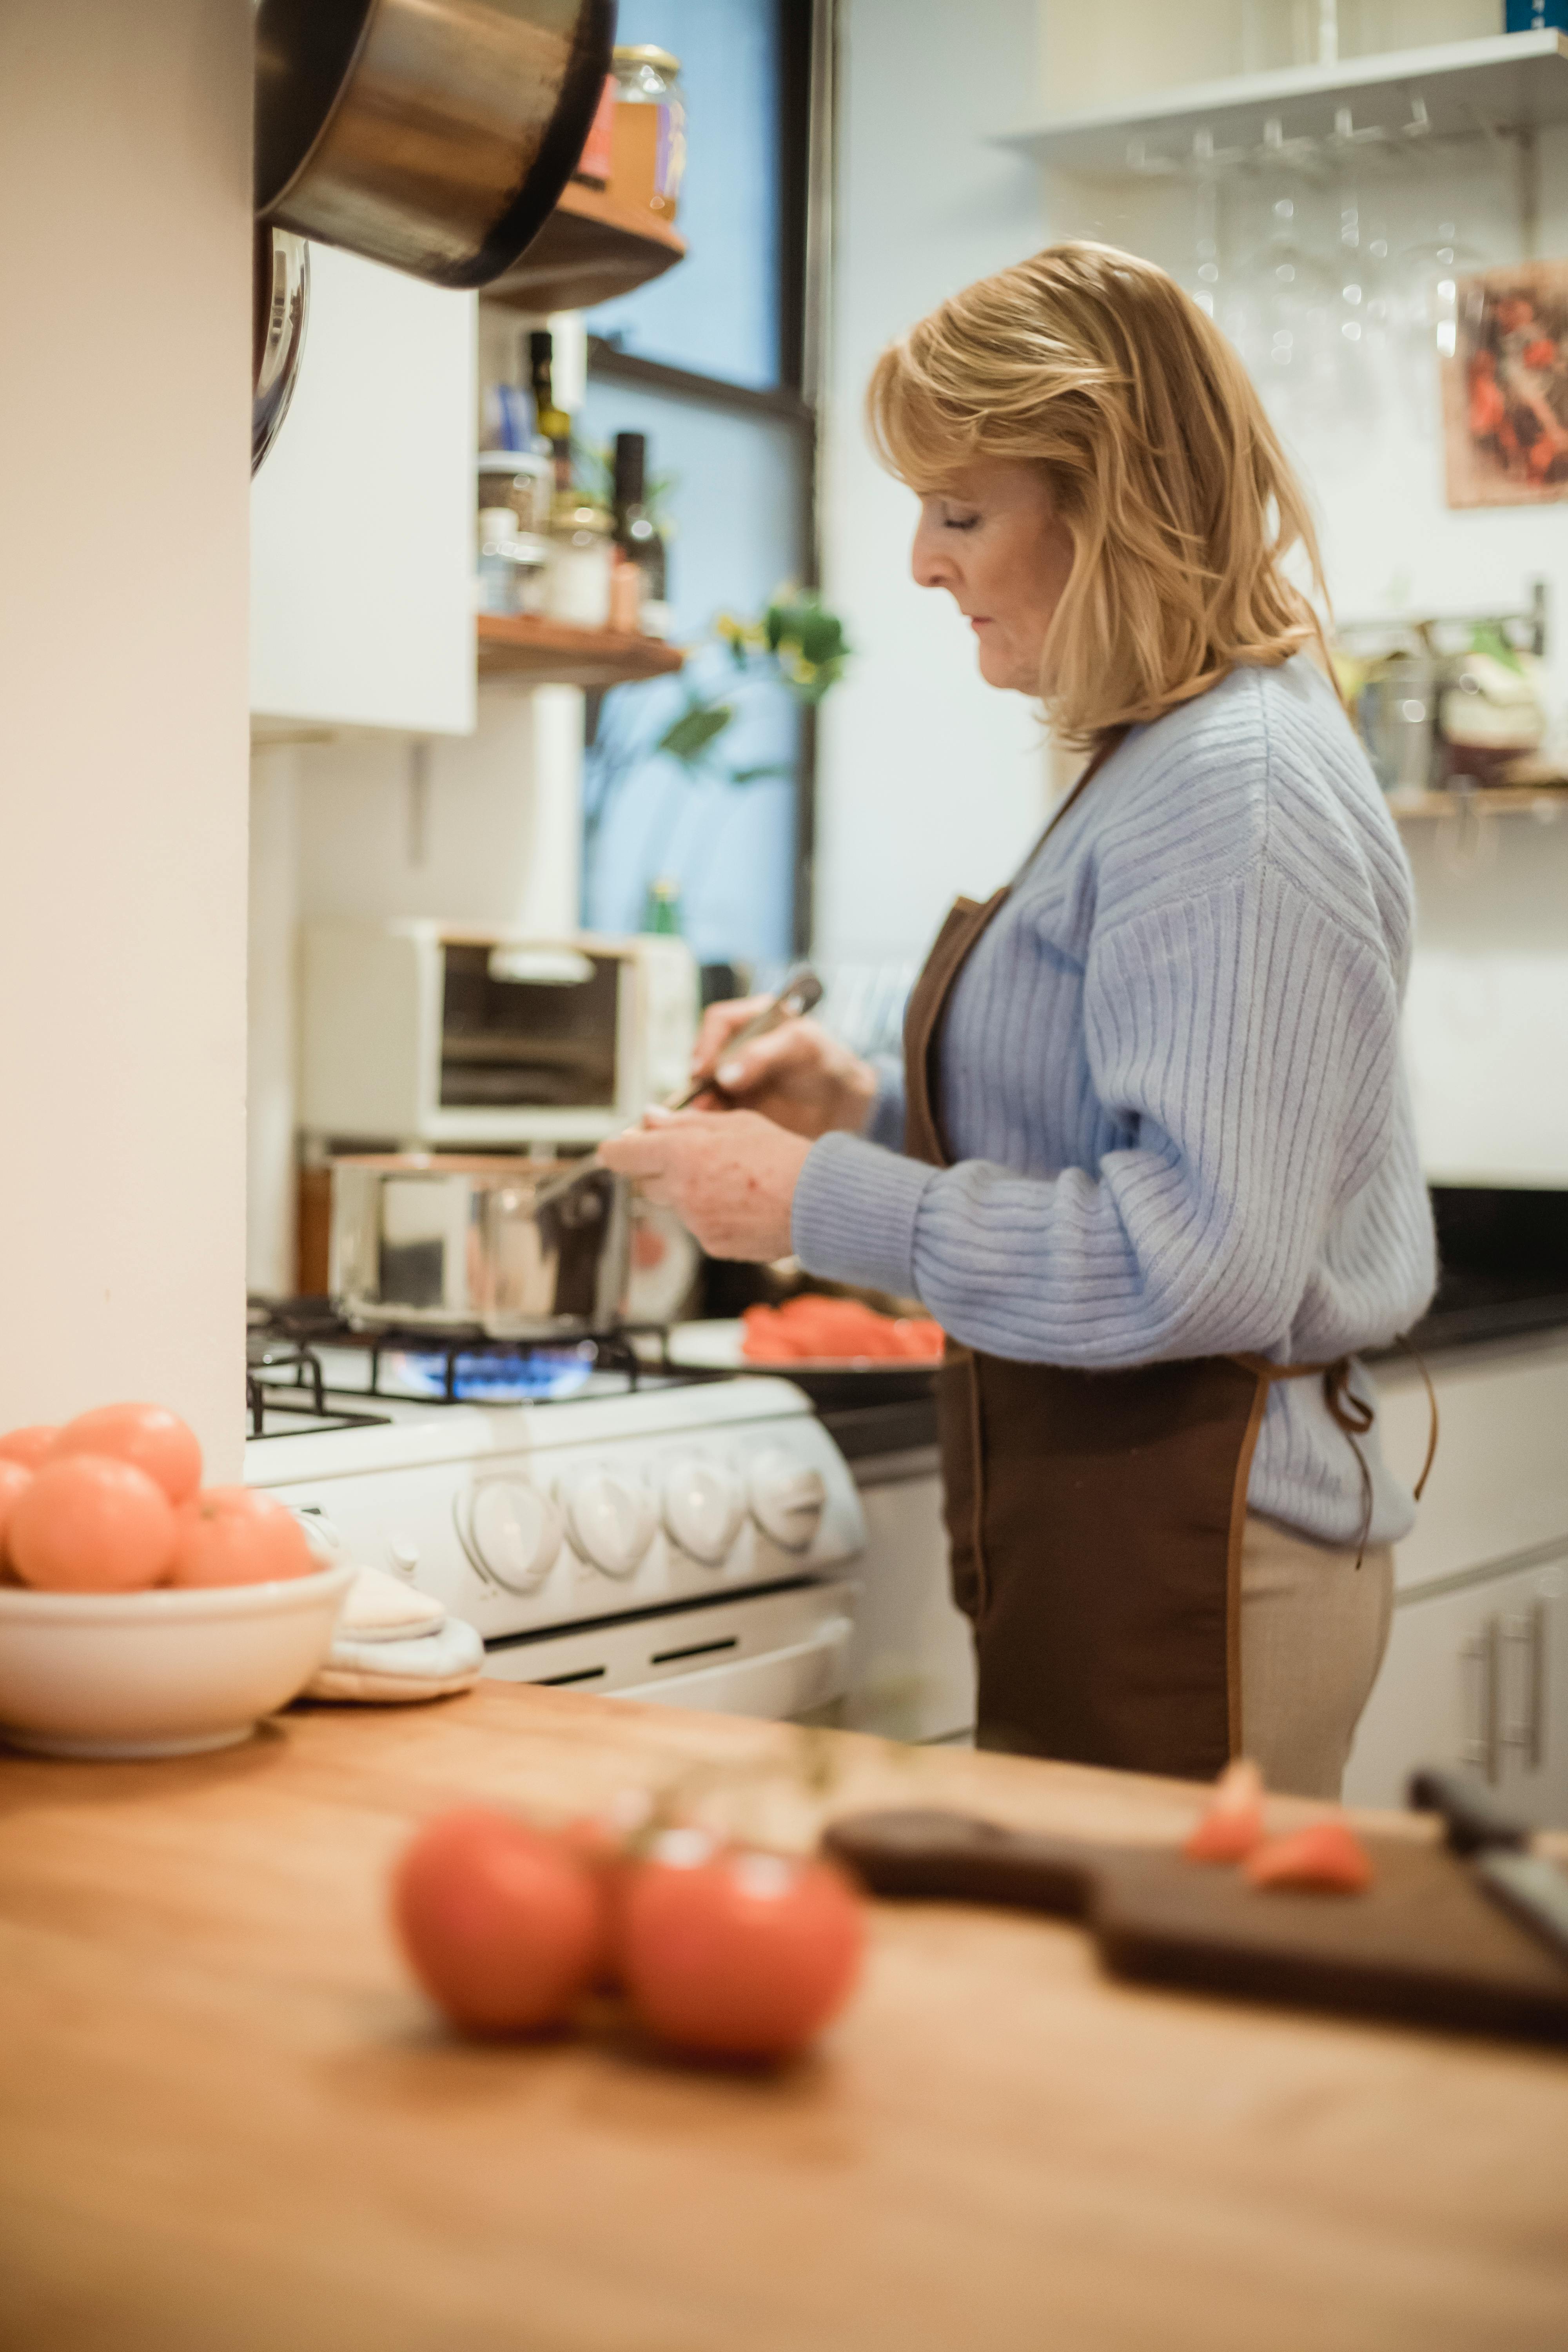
1424, 1944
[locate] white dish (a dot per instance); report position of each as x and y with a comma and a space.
717, 1346
163, 1672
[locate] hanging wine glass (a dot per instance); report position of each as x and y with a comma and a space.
1427, 300
1284, 319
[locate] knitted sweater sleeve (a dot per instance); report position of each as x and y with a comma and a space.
1245, 1040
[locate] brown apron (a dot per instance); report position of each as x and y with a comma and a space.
1094, 1517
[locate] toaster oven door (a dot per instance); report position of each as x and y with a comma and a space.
526, 1029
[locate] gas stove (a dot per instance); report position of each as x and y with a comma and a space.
599, 1517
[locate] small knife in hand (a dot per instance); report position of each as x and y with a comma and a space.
800, 992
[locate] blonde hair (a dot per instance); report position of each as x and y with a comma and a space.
1161, 462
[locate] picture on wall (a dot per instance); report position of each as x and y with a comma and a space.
1505, 389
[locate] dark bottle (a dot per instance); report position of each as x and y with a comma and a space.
637, 537
554, 423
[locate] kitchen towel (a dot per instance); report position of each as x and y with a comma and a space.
395, 1645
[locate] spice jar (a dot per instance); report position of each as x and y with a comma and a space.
649, 147
511, 565
578, 586
523, 479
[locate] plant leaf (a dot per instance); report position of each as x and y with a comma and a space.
700, 725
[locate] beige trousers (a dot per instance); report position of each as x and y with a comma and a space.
1313, 1631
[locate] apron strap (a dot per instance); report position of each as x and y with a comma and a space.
1354, 1416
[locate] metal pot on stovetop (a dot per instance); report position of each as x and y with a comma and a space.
516, 1249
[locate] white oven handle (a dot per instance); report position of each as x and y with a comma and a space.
777, 1683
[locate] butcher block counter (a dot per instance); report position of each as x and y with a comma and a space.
230, 2124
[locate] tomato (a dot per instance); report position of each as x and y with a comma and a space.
502, 1925
235, 1535
14, 1481
735, 1954
91, 1525
28, 1446
1232, 1825
149, 1435
1327, 1856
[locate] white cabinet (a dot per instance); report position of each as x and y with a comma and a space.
912, 1662
1477, 1670
361, 518
1477, 1678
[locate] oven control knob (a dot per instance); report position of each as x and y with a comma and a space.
514, 1533
703, 1508
788, 1498
612, 1520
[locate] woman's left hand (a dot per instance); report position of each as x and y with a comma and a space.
730, 1176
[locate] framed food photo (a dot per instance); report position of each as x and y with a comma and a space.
1505, 389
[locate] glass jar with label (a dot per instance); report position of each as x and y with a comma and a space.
513, 565
582, 551
650, 141
523, 479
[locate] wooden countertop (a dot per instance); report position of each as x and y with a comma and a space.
229, 2123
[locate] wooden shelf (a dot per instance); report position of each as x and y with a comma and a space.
544, 653
1508, 81
1547, 803
591, 249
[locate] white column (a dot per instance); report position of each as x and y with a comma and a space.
124, 461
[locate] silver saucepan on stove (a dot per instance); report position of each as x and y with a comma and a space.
519, 1249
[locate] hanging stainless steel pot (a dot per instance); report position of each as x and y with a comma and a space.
434, 135
520, 1249
281, 286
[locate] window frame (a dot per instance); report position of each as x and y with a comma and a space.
808, 36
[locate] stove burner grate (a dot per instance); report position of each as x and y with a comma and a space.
283, 1376
453, 1365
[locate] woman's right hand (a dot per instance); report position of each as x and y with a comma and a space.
797, 1074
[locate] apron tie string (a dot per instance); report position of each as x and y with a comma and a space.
1354, 1416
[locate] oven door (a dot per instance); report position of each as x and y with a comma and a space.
781, 1656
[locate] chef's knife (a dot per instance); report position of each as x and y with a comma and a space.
800, 992
1498, 1849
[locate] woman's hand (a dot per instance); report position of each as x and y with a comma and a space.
730, 1176
797, 1076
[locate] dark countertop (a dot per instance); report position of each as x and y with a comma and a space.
1504, 1255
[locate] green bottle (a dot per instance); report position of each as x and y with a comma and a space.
661, 913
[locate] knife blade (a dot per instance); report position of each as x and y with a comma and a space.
1496, 1850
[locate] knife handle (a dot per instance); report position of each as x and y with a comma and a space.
1474, 1820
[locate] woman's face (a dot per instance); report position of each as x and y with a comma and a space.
990, 538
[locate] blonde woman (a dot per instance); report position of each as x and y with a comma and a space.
1150, 1159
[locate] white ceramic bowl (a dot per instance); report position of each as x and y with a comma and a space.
163, 1672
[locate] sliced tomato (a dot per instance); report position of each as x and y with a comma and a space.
844, 1329
1233, 1823
1326, 1855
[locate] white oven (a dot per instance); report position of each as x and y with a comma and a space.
692, 1545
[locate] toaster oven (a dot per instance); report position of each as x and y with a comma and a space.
419, 1032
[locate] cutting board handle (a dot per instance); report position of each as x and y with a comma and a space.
951, 1857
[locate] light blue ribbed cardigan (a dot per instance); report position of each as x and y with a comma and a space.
1171, 1084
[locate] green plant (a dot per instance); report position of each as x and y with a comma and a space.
797, 641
